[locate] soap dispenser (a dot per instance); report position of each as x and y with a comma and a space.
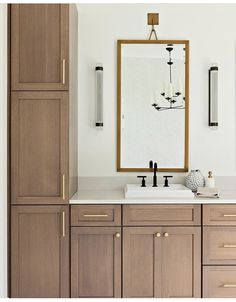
210, 180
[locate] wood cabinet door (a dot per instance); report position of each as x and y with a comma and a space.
142, 262
181, 262
39, 147
39, 46
96, 262
159, 266
40, 251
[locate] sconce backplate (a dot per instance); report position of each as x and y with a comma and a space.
153, 18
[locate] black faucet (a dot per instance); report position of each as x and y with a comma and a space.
151, 166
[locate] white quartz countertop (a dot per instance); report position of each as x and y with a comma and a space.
118, 197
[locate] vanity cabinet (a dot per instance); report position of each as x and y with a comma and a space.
162, 262
39, 46
40, 252
96, 262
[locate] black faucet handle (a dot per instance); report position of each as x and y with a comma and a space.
143, 180
166, 184
150, 164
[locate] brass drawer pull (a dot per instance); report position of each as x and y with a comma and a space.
63, 224
229, 215
63, 187
229, 285
63, 71
95, 215
229, 245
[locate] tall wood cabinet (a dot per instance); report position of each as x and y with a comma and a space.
43, 146
43, 123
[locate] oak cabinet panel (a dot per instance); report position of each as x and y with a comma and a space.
159, 266
223, 214
181, 262
40, 251
39, 46
96, 215
219, 245
95, 262
39, 147
141, 262
159, 215
219, 282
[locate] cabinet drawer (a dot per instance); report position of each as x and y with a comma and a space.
219, 282
219, 245
162, 215
219, 214
90, 215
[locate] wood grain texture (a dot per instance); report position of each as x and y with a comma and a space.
214, 239
39, 147
181, 262
215, 278
164, 267
161, 215
95, 262
141, 262
39, 252
108, 215
119, 109
219, 214
73, 99
39, 44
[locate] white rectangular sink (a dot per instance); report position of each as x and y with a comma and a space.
173, 191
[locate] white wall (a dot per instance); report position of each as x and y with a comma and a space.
211, 31
3, 150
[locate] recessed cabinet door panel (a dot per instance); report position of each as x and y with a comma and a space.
39, 149
40, 252
181, 262
141, 262
96, 262
39, 46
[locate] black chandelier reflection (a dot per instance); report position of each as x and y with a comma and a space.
173, 99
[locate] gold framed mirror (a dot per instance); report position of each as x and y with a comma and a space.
152, 105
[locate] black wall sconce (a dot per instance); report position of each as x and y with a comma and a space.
213, 96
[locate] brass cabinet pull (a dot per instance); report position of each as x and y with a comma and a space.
117, 235
63, 224
229, 285
166, 234
63, 187
158, 234
63, 71
95, 215
229, 215
229, 245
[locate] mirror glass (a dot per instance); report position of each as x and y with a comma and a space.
152, 105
